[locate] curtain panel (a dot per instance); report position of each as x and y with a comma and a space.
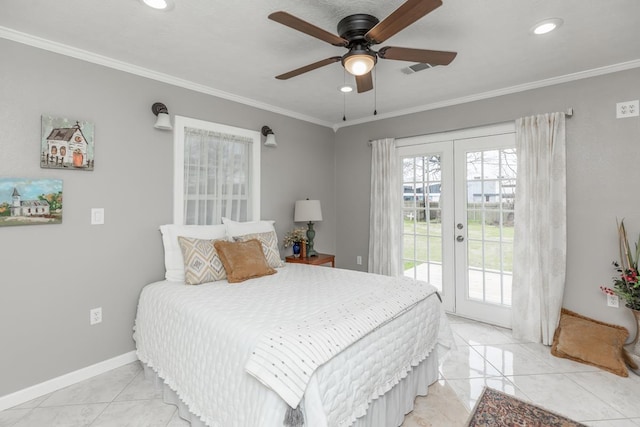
540, 242
385, 214
217, 177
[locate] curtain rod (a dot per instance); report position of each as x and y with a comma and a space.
568, 113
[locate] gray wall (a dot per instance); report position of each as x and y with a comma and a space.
603, 172
50, 276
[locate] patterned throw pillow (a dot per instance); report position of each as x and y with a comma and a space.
201, 261
269, 241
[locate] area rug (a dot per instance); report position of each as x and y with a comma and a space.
496, 409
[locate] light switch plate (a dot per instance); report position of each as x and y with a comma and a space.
97, 216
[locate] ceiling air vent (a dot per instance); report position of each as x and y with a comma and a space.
415, 68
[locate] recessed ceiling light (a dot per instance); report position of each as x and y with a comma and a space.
546, 26
345, 88
159, 4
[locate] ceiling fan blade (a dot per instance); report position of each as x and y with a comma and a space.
402, 17
309, 67
291, 21
364, 82
431, 57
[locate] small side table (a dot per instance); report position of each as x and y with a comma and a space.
313, 260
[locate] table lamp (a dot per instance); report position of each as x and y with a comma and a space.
308, 211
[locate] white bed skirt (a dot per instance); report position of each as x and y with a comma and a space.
388, 410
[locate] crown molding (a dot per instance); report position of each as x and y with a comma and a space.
106, 61
495, 93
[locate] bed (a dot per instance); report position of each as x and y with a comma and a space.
307, 345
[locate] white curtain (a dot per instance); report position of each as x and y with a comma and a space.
217, 177
385, 209
540, 242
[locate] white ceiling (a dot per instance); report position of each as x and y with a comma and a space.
230, 48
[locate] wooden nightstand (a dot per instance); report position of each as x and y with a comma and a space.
313, 260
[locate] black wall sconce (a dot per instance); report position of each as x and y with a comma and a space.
270, 140
164, 121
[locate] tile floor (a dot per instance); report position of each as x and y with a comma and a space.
486, 355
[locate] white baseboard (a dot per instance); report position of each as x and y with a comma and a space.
30, 393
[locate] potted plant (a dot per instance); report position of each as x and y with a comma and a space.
295, 238
626, 284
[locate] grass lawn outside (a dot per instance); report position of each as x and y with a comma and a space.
422, 242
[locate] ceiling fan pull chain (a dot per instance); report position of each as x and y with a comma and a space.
375, 93
344, 98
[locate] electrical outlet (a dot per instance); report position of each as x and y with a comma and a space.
359, 260
627, 109
613, 301
95, 316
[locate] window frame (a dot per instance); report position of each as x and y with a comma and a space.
180, 123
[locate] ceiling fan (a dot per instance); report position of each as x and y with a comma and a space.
361, 31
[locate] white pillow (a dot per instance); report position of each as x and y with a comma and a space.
173, 260
235, 228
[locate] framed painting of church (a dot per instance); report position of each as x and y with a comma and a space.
30, 201
67, 144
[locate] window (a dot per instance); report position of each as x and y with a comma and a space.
216, 172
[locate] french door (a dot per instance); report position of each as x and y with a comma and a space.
458, 214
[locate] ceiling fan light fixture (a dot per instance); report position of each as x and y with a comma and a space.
358, 63
546, 26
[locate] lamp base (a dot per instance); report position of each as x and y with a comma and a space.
311, 233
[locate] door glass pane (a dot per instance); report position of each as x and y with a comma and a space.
491, 179
490, 164
508, 165
422, 232
474, 224
475, 256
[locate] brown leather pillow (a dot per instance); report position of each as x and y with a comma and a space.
590, 341
243, 260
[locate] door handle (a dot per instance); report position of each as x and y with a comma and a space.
460, 238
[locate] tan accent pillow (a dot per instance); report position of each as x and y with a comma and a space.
590, 341
201, 261
269, 241
243, 260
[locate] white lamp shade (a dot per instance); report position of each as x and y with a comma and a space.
359, 65
163, 122
307, 211
270, 141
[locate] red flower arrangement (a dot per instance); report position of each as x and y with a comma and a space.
626, 284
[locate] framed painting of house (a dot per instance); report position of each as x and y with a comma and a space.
67, 144
25, 201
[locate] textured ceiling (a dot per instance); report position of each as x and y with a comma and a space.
231, 48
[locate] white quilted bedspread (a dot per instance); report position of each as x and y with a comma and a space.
200, 338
